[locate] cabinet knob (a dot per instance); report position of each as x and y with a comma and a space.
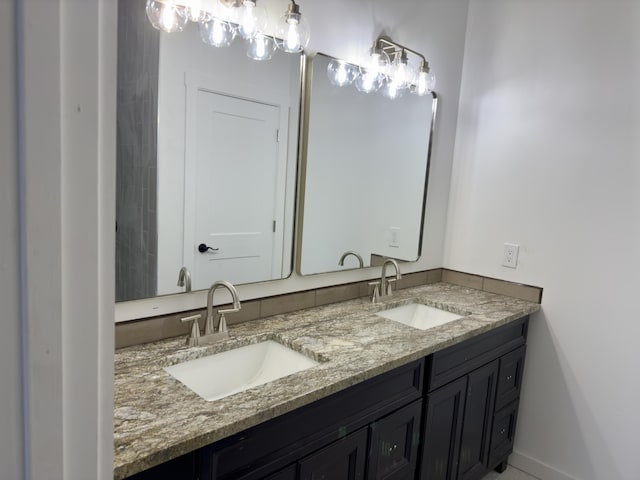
503, 431
509, 377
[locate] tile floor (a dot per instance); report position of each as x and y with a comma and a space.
511, 473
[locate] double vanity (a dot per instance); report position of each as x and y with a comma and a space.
423, 383
426, 380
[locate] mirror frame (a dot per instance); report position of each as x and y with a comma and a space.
302, 172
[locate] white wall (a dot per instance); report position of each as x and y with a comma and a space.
67, 119
547, 157
346, 29
11, 415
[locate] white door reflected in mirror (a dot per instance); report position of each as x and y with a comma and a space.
231, 200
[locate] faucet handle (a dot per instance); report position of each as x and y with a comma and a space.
376, 291
389, 282
222, 311
193, 338
222, 322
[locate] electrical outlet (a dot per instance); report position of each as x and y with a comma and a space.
510, 255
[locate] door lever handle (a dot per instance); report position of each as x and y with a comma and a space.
203, 247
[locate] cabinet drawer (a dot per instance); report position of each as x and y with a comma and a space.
458, 360
503, 433
265, 448
510, 377
393, 450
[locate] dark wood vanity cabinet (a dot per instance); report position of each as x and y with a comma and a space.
368, 431
386, 449
471, 404
450, 416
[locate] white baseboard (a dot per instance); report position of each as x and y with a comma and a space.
537, 468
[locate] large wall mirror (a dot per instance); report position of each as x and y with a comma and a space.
207, 156
364, 175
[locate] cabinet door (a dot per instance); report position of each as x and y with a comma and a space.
394, 444
342, 460
476, 426
442, 429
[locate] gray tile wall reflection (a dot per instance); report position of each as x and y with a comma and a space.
136, 236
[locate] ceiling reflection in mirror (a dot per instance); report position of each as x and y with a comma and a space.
207, 143
365, 175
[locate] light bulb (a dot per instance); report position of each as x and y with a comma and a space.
261, 47
166, 16
253, 19
195, 12
372, 73
425, 80
340, 73
392, 88
217, 32
402, 72
292, 32
368, 82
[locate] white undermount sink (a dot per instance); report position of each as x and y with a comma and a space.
419, 316
233, 371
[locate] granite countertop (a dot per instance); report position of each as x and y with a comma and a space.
157, 418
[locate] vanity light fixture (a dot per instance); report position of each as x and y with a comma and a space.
292, 34
220, 20
389, 67
420, 80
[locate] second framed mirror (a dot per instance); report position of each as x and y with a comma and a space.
364, 175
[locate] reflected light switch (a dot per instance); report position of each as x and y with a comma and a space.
394, 237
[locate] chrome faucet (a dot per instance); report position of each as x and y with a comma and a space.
350, 252
184, 279
211, 333
209, 328
382, 288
